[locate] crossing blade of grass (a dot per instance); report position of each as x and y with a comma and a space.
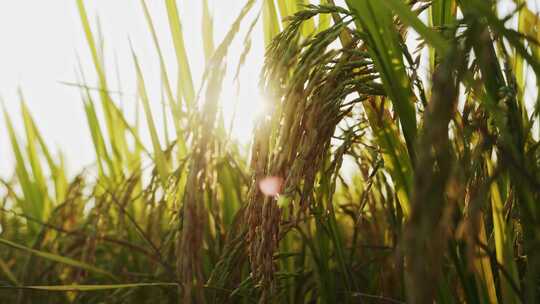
77, 287
97, 64
220, 54
122, 122
176, 109
58, 174
99, 143
185, 81
32, 151
58, 258
7, 273
114, 120
408, 17
100, 147
158, 156
92, 44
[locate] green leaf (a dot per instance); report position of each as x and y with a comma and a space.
32, 203
185, 81
384, 46
409, 18
7, 272
58, 258
207, 31
271, 23
77, 287
504, 243
158, 156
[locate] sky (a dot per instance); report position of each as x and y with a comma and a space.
41, 41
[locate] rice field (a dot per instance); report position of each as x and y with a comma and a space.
396, 161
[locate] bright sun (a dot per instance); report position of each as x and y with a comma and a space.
244, 106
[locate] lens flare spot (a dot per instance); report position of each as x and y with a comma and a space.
271, 185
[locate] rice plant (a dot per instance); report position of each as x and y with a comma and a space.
397, 162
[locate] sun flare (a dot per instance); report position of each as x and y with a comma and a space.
242, 109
